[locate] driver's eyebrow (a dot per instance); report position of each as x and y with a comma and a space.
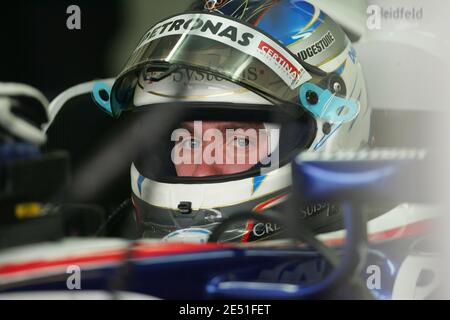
223, 126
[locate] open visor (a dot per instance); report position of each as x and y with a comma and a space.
228, 48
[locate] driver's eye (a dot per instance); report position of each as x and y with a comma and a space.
191, 143
241, 142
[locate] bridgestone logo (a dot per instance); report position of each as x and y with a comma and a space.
234, 34
325, 42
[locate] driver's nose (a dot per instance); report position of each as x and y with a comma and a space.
205, 170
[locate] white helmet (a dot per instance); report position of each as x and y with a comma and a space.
284, 64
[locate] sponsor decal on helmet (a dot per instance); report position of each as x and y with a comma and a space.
281, 60
316, 208
264, 229
320, 46
236, 35
191, 75
199, 26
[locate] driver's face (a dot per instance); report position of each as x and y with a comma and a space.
219, 148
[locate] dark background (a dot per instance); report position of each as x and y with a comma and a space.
38, 49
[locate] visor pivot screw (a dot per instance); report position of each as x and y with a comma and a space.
185, 207
326, 128
312, 97
104, 95
337, 87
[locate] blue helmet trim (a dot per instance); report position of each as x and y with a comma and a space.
257, 181
300, 20
105, 105
330, 107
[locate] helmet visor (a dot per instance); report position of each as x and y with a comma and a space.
218, 45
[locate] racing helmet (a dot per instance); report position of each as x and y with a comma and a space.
285, 65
